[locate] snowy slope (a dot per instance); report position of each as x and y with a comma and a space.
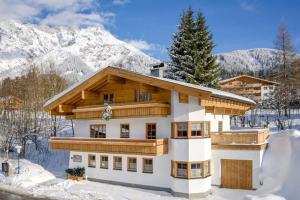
75, 52
248, 60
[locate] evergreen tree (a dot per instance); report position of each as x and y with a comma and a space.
190, 53
206, 68
181, 48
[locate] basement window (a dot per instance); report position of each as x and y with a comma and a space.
91, 161
104, 162
131, 164
117, 163
148, 165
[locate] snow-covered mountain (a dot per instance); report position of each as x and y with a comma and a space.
74, 52
250, 60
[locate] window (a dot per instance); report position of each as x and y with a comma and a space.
196, 129
220, 126
104, 162
124, 131
131, 165
148, 165
146, 96
189, 170
91, 161
182, 170
196, 170
98, 131
182, 129
117, 163
138, 96
151, 131
108, 98
190, 129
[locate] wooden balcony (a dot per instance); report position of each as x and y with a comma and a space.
123, 110
245, 137
151, 147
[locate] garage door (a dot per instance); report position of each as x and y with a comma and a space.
236, 174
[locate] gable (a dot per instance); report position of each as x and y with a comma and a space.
123, 85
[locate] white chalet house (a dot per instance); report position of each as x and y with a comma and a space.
160, 134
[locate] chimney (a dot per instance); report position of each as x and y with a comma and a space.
157, 70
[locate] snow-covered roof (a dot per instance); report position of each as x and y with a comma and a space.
215, 92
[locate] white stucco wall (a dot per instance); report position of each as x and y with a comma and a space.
159, 178
179, 149
137, 127
190, 149
194, 112
217, 155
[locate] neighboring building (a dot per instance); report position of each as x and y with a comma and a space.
158, 134
249, 86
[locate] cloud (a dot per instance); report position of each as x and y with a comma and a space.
141, 45
247, 5
56, 12
120, 2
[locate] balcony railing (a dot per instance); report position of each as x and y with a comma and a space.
152, 147
249, 136
124, 110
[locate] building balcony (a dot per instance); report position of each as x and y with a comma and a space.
123, 110
242, 137
151, 147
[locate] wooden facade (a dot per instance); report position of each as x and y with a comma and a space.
236, 174
247, 86
240, 139
134, 95
151, 147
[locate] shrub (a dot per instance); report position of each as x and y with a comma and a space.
78, 171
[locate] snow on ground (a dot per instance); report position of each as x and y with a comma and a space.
279, 176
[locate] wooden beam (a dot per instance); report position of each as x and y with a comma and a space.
65, 108
87, 95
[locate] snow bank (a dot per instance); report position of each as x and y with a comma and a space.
30, 175
280, 169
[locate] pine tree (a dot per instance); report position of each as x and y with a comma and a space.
206, 69
190, 53
181, 48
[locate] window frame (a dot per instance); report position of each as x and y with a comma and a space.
89, 161
101, 161
128, 164
147, 130
114, 163
121, 133
146, 171
97, 125
109, 95
204, 130
205, 169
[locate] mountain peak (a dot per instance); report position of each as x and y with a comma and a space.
73, 51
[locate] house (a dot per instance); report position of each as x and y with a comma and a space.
155, 133
249, 86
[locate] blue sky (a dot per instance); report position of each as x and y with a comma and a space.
149, 24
